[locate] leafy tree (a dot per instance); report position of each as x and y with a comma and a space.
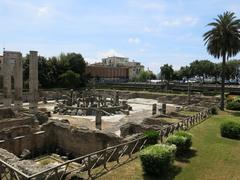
223, 40
201, 68
232, 69
145, 75
70, 79
54, 71
216, 72
166, 72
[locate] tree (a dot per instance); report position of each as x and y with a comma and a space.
223, 40
167, 72
202, 68
70, 79
184, 73
145, 75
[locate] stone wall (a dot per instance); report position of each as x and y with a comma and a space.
34, 142
77, 141
19, 121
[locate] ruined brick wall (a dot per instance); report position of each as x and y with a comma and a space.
34, 142
78, 141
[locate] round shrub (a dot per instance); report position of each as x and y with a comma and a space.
183, 141
233, 105
157, 159
152, 137
230, 129
179, 141
187, 135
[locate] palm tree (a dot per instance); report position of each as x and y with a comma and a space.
223, 40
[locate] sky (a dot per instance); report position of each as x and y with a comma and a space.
153, 32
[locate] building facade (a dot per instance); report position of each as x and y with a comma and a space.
115, 68
107, 73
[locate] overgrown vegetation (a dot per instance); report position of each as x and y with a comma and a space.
231, 129
157, 159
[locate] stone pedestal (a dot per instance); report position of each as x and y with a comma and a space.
164, 108
33, 82
99, 120
18, 82
154, 109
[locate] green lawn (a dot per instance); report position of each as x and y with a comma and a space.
212, 157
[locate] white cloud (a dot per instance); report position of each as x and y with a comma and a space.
133, 40
43, 11
176, 22
111, 52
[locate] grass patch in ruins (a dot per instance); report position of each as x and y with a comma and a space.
169, 120
187, 113
212, 156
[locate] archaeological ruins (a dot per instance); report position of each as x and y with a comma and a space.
60, 134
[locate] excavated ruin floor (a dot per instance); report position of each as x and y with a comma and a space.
142, 108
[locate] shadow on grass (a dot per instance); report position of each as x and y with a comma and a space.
168, 176
186, 156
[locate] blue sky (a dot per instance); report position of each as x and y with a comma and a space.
153, 32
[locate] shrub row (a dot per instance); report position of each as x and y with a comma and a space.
230, 129
182, 140
157, 159
233, 105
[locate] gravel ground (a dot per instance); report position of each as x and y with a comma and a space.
142, 108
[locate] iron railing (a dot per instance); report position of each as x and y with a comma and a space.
87, 163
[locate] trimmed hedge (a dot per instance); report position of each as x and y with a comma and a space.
233, 105
152, 137
183, 141
230, 129
157, 159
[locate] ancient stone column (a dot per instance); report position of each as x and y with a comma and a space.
116, 98
99, 120
18, 82
33, 82
164, 108
6, 81
154, 109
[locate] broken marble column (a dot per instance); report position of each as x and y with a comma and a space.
33, 82
164, 108
18, 82
154, 109
7, 94
99, 120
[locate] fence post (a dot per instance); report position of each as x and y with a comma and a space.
89, 165
105, 159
